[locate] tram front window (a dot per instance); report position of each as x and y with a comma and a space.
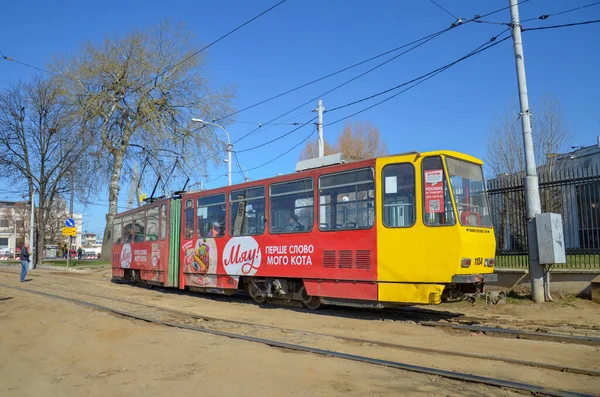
468, 187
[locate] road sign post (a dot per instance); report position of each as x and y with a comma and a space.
71, 231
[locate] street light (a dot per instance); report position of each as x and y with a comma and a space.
229, 145
246, 177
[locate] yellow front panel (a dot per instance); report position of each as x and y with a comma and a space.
424, 254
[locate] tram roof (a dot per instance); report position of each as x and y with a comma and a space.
347, 165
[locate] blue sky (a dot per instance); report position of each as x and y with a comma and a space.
305, 39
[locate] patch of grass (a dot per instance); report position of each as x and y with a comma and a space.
517, 298
565, 300
574, 261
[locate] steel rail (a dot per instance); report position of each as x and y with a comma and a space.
517, 333
535, 364
464, 377
486, 330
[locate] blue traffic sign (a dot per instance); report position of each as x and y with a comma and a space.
70, 222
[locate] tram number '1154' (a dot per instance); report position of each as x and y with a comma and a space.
294, 255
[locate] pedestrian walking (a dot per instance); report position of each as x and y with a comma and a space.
24, 261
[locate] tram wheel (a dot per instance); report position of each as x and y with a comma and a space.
311, 302
259, 299
256, 294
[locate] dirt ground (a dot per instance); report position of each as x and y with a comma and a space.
57, 348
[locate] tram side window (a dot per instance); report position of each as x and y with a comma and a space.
189, 219
139, 222
163, 221
127, 229
247, 211
117, 235
347, 200
152, 224
292, 206
399, 195
437, 203
210, 214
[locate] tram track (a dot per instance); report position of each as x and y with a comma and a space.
216, 320
450, 374
443, 320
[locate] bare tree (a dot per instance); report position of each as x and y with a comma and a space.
311, 150
143, 88
359, 141
505, 162
55, 222
20, 218
551, 136
41, 143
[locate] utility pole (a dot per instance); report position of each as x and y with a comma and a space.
319, 111
229, 150
31, 242
71, 210
532, 191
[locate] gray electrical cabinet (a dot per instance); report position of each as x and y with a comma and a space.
551, 243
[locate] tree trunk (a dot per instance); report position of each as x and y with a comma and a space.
113, 201
40, 235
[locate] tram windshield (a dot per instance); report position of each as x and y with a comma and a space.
468, 187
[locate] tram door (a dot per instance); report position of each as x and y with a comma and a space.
397, 244
174, 241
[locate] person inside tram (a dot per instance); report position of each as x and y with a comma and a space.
293, 224
215, 231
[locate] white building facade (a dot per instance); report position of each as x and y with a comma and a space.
14, 225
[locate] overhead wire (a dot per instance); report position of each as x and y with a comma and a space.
445, 10
168, 69
284, 153
476, 17
423, 78
419, 79
483, 47
278, 138
541, 17
546, 16
561, 26
328, 75
260, 124
419, 42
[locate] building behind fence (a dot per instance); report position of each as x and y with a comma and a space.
571, 187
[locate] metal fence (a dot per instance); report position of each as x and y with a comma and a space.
573, 193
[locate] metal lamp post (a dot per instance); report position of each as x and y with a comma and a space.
246, 177
229, 145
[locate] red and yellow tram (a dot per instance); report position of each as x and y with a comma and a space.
413, 228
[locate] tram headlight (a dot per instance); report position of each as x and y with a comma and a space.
490, 262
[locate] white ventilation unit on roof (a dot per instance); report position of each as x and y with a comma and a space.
320, 162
